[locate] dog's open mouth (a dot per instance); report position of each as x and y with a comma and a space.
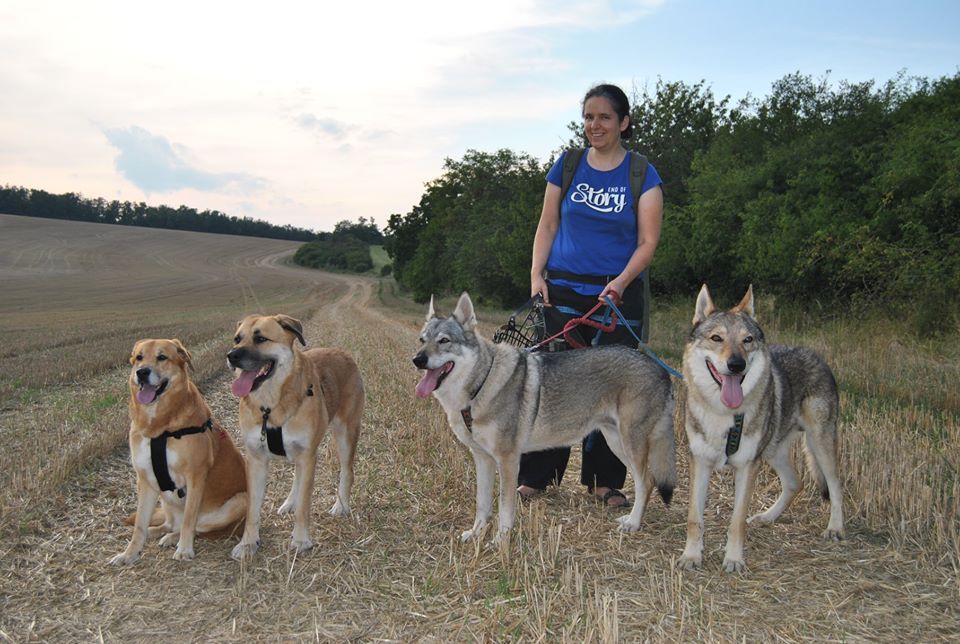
731, 393
432, 379
148, 393
248, 381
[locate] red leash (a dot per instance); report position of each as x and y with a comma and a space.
586, 321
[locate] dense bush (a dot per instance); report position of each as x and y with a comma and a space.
335, 252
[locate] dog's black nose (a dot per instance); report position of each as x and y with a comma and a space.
143, 374
234, 356
736, 364
420, 361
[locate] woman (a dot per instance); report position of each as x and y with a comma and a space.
592, 242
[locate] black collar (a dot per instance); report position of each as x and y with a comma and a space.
158, 455
465, 412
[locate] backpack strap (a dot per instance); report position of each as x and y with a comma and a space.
638, 174
571, 159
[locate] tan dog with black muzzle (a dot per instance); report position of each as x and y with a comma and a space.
288, 398
180, 453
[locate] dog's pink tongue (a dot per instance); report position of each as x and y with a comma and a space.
731, 394
147, 394
428, 383
243, 385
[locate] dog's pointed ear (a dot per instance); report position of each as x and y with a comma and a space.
704, 306
746, 304
183, 353
464, 313
292, 325
431, 311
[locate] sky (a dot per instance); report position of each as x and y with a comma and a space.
311, 113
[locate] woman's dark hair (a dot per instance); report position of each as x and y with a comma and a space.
619, 101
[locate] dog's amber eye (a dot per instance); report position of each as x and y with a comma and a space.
161, 358
716, 338
139, 357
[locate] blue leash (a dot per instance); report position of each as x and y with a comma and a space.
643, 347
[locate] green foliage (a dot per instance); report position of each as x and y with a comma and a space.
842, 192
337, 252
365, 231
472, 229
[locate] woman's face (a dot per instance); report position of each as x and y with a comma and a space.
601, 123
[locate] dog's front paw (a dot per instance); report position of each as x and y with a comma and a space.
502, 536
125, 559
627, 524
340, 509
169, 540
468, 535
301, 545
243, 550
690, 562
763, 518
731, 565
183, 554
833, 534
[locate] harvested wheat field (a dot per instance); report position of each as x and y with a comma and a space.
396, 570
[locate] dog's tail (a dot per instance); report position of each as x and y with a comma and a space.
662, 456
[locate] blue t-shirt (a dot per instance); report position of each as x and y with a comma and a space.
598, 222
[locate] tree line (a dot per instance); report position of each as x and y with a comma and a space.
841, 192
16, 200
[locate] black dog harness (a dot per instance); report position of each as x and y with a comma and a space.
272, 435
733, 435
158, 456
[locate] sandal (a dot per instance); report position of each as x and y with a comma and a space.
612, 493
528, 493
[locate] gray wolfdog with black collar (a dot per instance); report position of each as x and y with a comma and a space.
748, 400
502, 401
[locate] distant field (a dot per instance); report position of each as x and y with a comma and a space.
75, 297
75, 293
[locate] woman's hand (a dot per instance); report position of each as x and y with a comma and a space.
614, 290
538, 286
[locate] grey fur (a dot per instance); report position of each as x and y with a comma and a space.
783, 391
521, 401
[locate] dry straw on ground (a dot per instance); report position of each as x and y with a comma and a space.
396, 571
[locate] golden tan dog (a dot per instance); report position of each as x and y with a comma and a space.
288, 398
180, 453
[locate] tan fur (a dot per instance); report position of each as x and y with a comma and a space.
208, 465
336, 401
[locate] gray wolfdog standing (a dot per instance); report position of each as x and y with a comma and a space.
501, 401
747, 400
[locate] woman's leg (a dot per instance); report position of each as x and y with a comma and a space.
601, 470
